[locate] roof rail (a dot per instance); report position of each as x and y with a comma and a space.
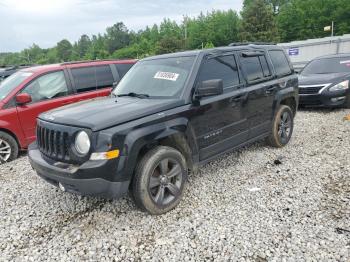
90, 61
250, 43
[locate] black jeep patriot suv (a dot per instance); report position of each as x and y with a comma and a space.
168, 115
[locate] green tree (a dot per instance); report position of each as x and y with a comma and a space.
169, 45
276, 4
258, 23
303, 19
83, 45
64, 50
217, 27
117, 37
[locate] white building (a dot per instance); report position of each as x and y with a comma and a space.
301, 52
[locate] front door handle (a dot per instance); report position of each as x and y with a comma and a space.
270, 89
67, 103
235, 100
238, 98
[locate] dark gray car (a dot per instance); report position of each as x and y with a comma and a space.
325, 82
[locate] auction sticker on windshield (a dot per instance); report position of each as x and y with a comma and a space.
166, 76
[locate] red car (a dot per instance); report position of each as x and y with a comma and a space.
31, 91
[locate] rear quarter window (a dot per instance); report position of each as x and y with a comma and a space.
280, 62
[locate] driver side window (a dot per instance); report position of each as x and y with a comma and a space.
220, 67
48, 86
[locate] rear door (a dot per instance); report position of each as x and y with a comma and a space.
48, 91
261, 90
220, 122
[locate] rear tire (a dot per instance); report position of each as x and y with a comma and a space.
282, 127
159, 180
8, 148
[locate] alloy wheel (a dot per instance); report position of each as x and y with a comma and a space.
165, 182
5, 150
284, 127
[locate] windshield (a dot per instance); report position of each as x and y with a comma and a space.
327, 66
12, 82
156, 78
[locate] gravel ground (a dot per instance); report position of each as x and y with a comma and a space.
256, 204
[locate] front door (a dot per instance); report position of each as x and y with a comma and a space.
219, 123
48, 91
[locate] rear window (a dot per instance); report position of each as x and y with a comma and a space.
280, 62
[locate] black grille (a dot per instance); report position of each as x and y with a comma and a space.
53, 143
310, 90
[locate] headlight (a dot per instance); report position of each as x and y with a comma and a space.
341, 86
82, 143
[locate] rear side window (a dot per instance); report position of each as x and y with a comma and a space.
104, 77
265, 67
252, 68
280, 62
123, 68
84, 79
223, 67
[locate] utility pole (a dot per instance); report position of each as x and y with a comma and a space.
332, 28
185, 24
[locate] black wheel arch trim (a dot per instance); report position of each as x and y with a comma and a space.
149, 135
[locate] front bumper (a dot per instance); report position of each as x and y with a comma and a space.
324, 99
73, 178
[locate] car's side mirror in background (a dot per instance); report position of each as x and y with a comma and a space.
209, 88
22, 99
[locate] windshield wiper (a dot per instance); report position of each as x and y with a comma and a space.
132, 94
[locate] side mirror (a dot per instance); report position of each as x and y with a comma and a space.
115, 84
210, 88
23, 99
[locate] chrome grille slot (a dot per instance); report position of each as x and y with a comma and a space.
53, 143
310, 90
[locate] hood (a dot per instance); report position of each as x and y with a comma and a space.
98, 114
318, 79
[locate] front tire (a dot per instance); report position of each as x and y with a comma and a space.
282, 127
347, 101
8, 148
159, 180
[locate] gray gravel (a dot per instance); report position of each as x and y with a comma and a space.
257, 204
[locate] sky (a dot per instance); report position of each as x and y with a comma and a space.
45, 22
